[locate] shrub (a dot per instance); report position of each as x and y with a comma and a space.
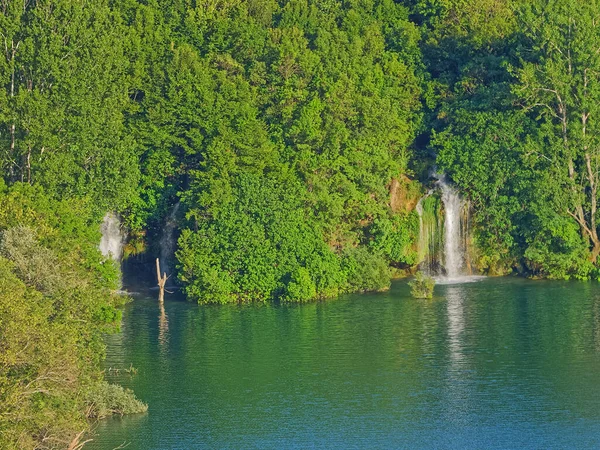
301, 287
394, 238
106, 399
422, 286
253, 246
365, 271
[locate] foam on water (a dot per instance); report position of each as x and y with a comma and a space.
445, 280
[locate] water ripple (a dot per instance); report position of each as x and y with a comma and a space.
502, 363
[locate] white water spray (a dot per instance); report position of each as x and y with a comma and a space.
111, 243
454, 251
443, 239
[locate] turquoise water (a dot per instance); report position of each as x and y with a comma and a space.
501, 363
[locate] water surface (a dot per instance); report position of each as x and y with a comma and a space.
501, 363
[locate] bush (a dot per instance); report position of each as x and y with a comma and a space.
422, 286
107, 399
301, 287
394, 238
56, 302
33, 263
365, 271
255, 245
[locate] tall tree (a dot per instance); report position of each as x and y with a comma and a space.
63, 97
559, 82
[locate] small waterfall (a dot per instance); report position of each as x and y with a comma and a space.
168, 241
454, 250
111, 243
444, 232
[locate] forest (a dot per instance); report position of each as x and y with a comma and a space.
291, 140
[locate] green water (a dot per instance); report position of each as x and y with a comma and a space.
501, 363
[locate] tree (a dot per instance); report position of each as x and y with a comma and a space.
559, 84
63, 97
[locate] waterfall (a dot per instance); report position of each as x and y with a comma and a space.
444, 232
454, 250
111, 243
168, 241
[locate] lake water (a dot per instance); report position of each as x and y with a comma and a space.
500, 363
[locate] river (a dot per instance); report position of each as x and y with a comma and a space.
500, 363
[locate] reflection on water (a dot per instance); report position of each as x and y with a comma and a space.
458, 400
502, 363
455, 296
163, 328
596, 324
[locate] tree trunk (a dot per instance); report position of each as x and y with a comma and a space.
162, 280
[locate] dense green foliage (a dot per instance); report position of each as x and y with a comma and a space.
55, 303
516, 129
281, 128
65, 93
422, 286
107, 399
295, 138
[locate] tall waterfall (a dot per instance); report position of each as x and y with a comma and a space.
168, 241
454, 248
444, 230
111, 243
